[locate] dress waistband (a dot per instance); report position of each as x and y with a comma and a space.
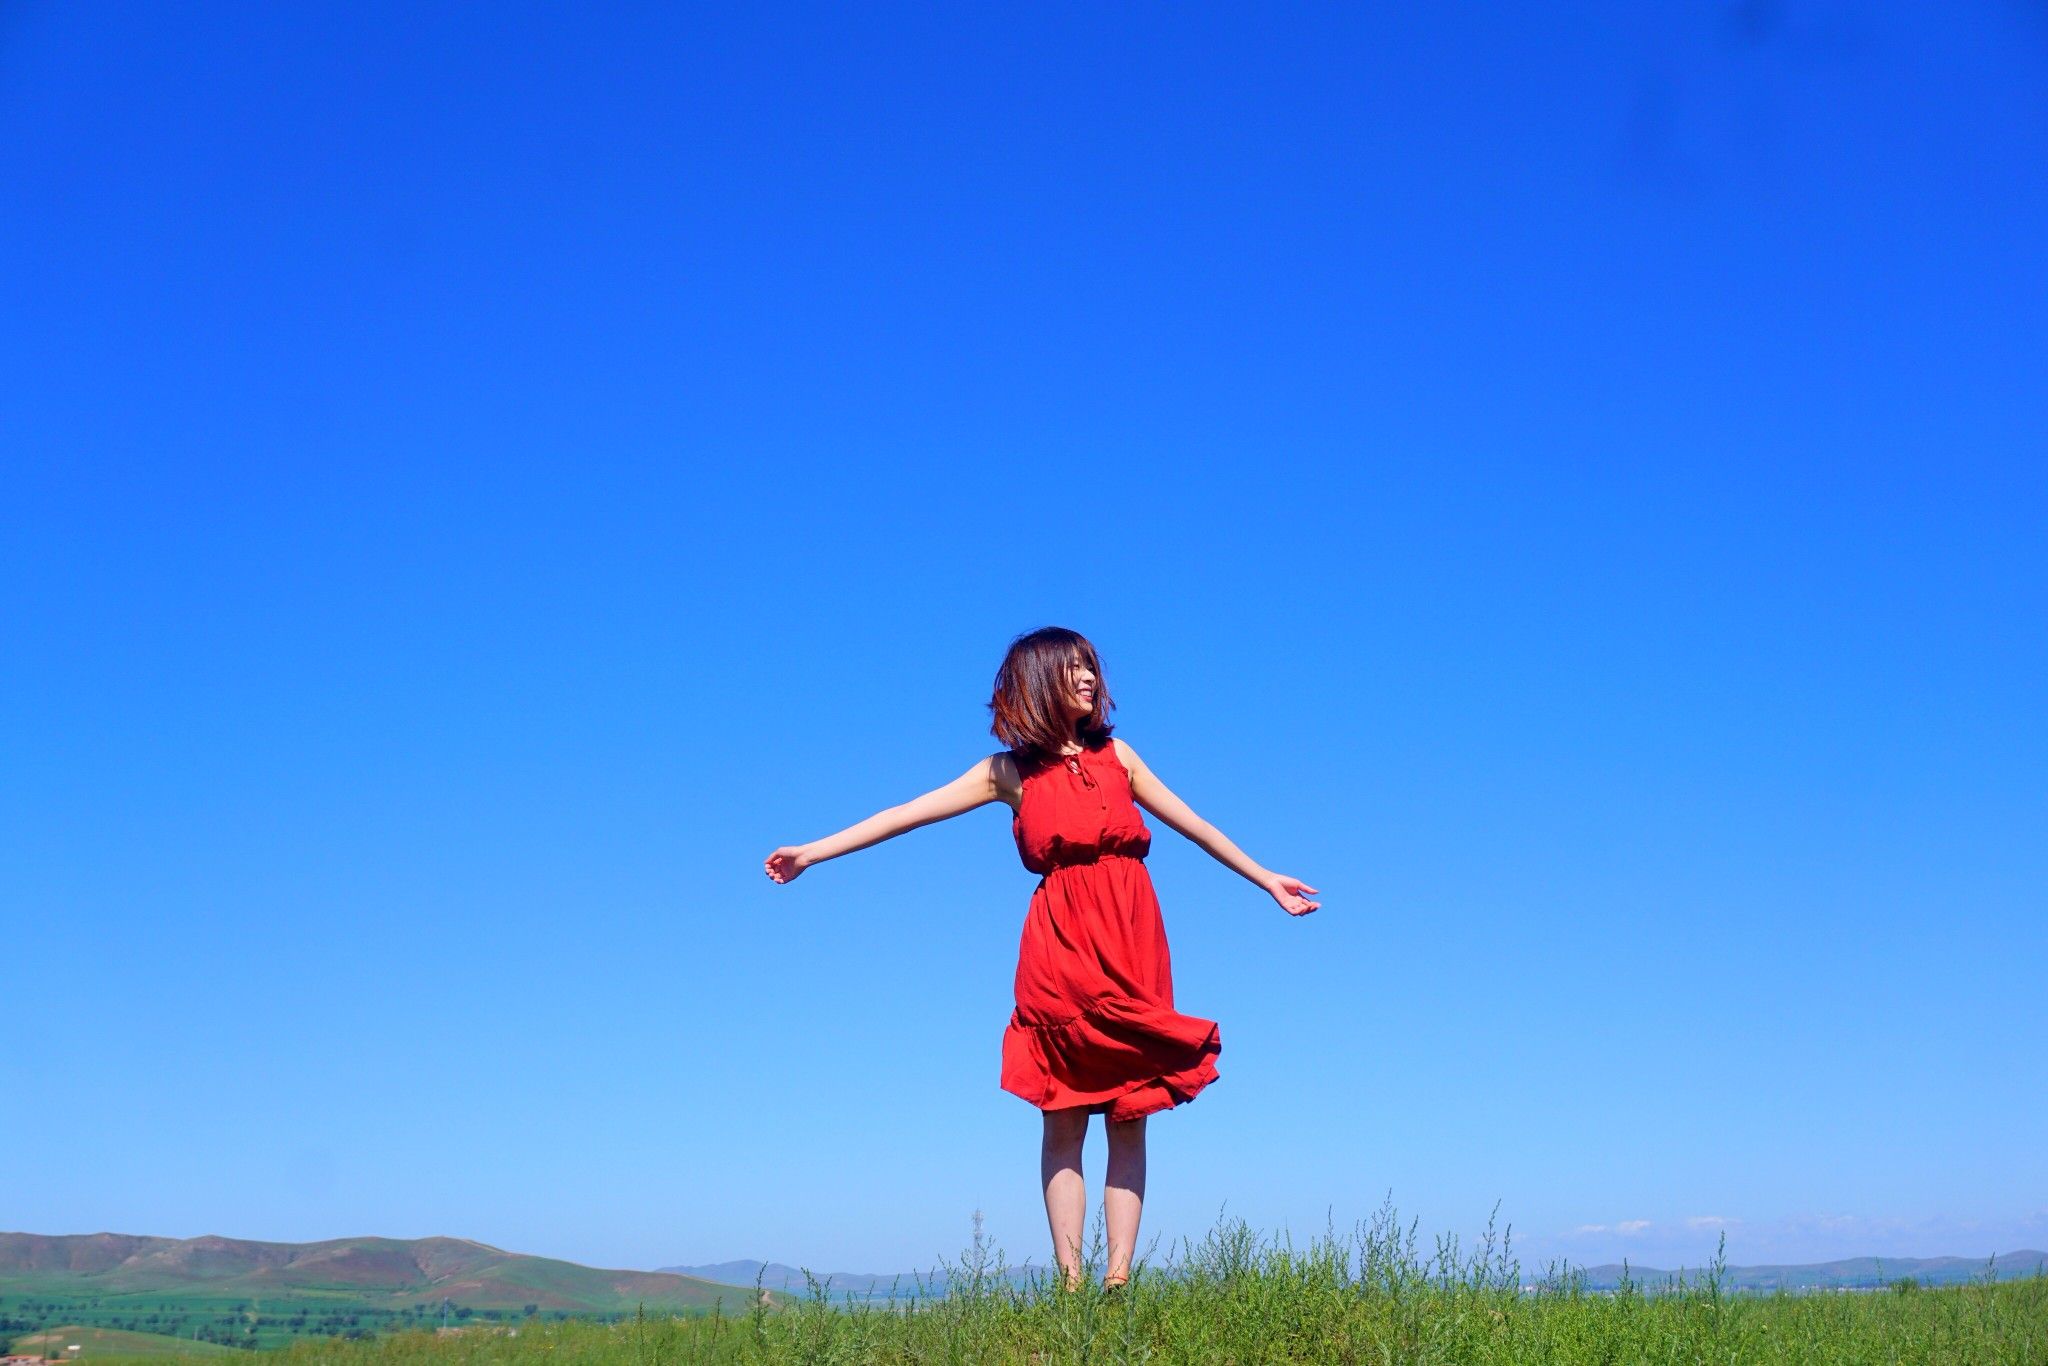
1082, 860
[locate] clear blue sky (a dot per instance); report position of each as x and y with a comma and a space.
1568, 483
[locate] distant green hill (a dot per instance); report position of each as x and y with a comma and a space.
99, 1343
381, 1273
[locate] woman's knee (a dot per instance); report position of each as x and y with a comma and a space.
1066, 1126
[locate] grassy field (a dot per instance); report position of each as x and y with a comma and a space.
1240, 1299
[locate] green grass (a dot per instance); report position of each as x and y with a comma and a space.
1242, 1299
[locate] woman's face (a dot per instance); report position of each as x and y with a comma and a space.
1080, 697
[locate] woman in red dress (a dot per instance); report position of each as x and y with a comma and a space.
1094, 1030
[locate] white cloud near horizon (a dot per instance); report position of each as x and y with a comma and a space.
1624, 1227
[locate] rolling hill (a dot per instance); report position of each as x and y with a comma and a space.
112, 1342
379, 1273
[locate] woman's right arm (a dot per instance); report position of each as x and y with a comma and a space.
976, 787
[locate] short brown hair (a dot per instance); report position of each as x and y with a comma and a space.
1028, 716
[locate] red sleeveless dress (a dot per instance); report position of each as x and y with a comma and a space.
1095, 1024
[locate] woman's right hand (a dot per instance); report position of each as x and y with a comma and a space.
1292, 894
785, 863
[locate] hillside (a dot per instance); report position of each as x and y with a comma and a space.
378, 1273
95, 1343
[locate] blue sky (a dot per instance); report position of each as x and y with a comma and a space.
1567, 483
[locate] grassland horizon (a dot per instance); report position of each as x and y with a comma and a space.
1240, 1297
1236, 1295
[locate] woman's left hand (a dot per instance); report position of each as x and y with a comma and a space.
1288, 892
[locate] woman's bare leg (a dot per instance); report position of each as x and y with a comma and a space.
1066, 1193
1123, 1195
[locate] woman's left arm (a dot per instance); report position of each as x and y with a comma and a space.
1157, 798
